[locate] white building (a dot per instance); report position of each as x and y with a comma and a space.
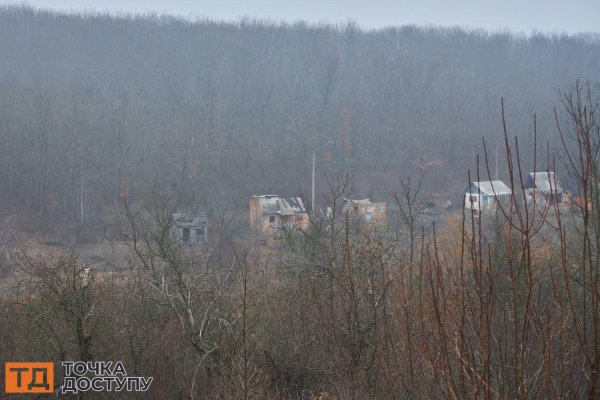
486, 195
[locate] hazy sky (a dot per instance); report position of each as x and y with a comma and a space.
517, 15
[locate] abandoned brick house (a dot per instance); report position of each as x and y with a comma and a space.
190, 228
367, 210
271, 213
486, 195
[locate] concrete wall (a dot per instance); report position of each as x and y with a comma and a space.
178, 233
260, 222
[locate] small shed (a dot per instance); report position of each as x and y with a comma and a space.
486, 195
190, 228
367, 210
544, 187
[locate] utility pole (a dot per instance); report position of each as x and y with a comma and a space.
496, 178
312, 201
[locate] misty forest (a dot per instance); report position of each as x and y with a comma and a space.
121, 134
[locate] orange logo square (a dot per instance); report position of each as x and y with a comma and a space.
29, 377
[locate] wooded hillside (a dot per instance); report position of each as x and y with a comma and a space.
95, 106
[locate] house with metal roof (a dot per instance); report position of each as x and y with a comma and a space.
271, 213
485, 195
544, 187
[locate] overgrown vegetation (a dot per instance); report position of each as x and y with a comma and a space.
497, 306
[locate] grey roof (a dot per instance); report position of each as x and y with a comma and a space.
268, 204
544, 182
188, 220
273, 204
490, 188
291, 205
350, 202
359, 201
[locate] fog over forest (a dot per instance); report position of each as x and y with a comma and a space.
93, 103
156, 210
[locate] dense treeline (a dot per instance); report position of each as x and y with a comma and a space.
94, 106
